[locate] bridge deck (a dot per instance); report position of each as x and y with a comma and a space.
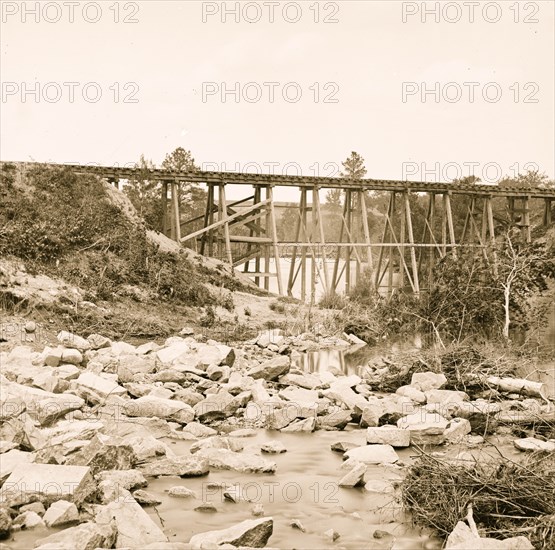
235, 178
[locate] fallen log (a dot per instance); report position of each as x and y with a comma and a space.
519, 385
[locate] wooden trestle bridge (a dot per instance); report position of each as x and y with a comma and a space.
399, 251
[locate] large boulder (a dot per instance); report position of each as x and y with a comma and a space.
167, 409
86, 536
135, 528
47, 483
373, 454
251, 533
272, 369
240, 462
425, 381
182, 466
104, 453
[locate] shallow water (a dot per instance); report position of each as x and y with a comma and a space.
304, 487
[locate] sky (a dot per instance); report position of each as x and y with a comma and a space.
422, 90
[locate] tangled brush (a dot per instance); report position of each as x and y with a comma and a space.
508, 498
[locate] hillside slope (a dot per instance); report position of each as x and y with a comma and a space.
74, 251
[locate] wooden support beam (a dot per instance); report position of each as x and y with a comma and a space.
316, 207
491, 233
450, 227
547, 212
369, 258
335, 279
222, 203
348, 222
305, 240
164, 201
257, 199
379, 276
270, 196
292, 273
266, 248
176, 221
416, 284
220, 223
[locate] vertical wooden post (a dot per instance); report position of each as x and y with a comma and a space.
313, 250
416, 284
432, 251
547, 212
257, 199
369, 258
304, 208
291, 280
526, 219
266, 246
175, 209
444, 227
270, 196
164, 201
348, 252
222, 203
402, 241
316, 205
379, 275
390, 260
211, 220
450, 226
335, 281
491, 234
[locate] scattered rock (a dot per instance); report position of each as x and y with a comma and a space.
251, 533
355, 477
207, 507
373, 454
533, 444
183, 466
296, 524
146, 499
272, 369
425, 381
180, 491
48, 483
240, 462
86, 536
388, 435
273, 447
61, 513
332, 534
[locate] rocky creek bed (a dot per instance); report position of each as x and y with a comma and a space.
195, 444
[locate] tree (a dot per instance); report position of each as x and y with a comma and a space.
532, 178
522, 270
145, 194
467, 180
353, 167
192, 198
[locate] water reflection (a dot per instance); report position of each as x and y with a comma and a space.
351, 360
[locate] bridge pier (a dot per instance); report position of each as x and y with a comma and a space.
399, 252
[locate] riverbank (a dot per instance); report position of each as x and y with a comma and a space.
306, 459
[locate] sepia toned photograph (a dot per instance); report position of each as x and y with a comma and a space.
277, 274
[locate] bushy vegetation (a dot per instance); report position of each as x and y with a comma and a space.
66, 225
